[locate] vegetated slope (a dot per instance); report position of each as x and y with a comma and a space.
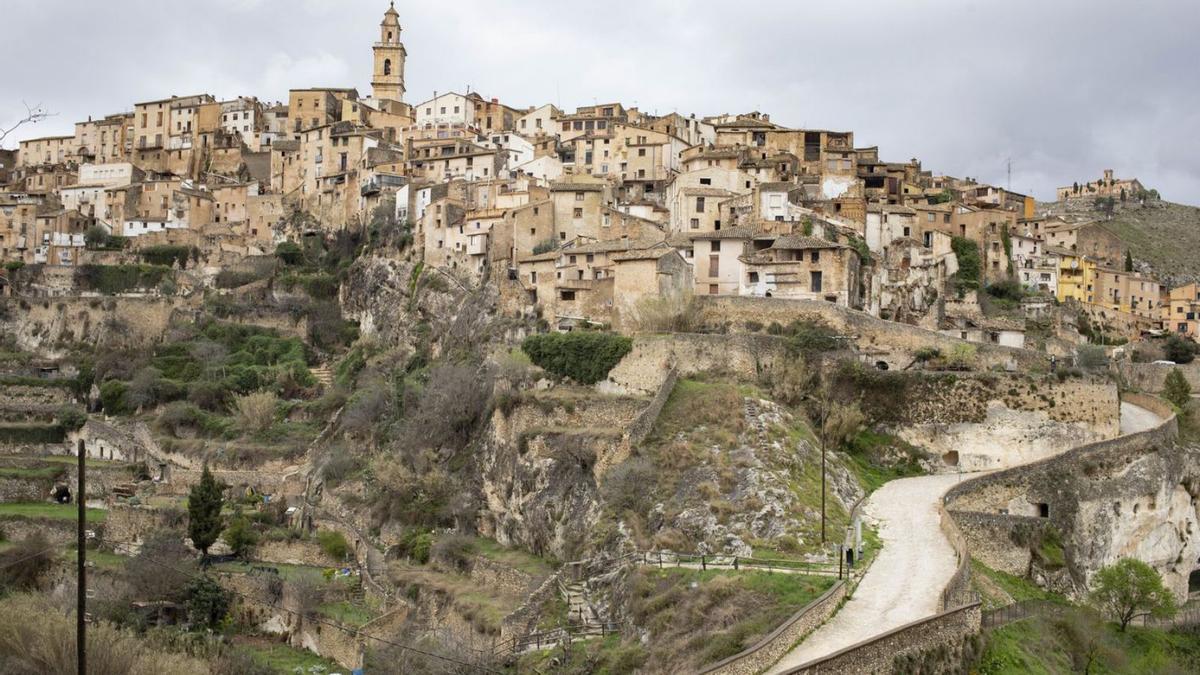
1162, 234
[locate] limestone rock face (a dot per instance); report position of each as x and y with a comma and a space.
1146, 510
1004, 438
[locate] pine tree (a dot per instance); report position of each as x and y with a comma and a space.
204, 512
1128, 261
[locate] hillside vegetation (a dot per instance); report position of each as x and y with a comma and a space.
1154, 234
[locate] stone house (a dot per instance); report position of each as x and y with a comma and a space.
317, 107
803, 268
907, 280
1090, 239
602, 282
1181, 310
1128, 292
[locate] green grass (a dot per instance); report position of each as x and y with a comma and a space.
49, 511
284, 659
347, 613
32, 472
104, 560
1018, 588
1068, 643
519, 560
864, 452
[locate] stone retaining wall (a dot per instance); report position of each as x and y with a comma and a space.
1151, 376
646, 365
872, 334
878, 655
772, 647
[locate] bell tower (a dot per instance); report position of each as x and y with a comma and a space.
388, 81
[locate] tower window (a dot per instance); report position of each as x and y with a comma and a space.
387, 63
389, 36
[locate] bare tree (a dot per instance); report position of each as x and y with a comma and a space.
33, 115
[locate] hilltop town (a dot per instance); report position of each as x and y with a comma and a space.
490, 387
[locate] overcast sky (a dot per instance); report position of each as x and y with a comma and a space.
1065, 88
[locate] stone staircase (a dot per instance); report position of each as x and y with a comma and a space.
323, 374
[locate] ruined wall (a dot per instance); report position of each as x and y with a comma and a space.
896, 342
126, 527
652, 356
1151, 376
47, 325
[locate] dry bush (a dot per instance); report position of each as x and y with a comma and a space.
256, 411
35, 638
22, 565
793, 383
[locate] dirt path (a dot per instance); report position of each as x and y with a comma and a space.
905, 582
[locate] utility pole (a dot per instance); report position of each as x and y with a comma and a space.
81, 545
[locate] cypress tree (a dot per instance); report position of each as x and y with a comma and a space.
204, 512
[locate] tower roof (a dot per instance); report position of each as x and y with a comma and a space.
391, 10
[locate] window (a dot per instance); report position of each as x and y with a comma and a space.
931, 216
816, 256
716, 245
591, 257
387, 63
578, 213
568, 295
572, 259
814, 282
754, 277
712, 289
699, 204
641, 152
695, 223
578, 196
706, 181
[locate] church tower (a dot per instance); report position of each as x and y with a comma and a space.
388, 82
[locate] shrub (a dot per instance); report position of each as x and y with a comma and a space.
1009, 289
256, 411
962, 355
333, 544
545, 246
1090, 357
113, 279
289, 253
209, 395
415, 544
112, 397
1176, 389
239, 535
71, 418
454, 552
1180, 349
167, 255
625, 487
583, 356
207, 603
926, 354
23, 564
811, 336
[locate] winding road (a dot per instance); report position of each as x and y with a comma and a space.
905, 582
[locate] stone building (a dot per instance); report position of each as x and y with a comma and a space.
1107, 186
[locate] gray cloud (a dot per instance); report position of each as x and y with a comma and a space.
1065, 88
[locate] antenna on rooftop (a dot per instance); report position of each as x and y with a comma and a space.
1010, 174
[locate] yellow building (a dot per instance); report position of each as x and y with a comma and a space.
1076, 277
1181, 310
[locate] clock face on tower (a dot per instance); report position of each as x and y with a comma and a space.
387, 81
